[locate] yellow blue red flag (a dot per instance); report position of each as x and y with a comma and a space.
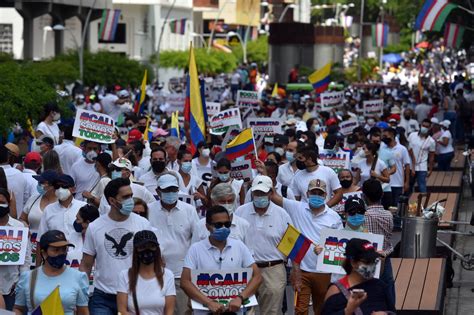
139, 102
174, 131
320, 78
51, 305
241, 145
293, 244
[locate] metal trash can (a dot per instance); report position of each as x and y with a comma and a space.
418, 237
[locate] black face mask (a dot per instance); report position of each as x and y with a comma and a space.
77, 227
387, 141
4, 211
141, 128
346, 183
57, 261
158, 166
300, 165
147, 256
407, 117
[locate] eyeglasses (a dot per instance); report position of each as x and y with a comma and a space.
218, 225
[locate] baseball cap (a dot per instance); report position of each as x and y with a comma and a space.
49, 176
382, 125
134, 135
144, 237
317, 184
359, 249
64, 179
330, 141
54, 238
167, 180
32, 157
122, 163
262, 183
354, 204
123, 94
45, 139
281, 139
445, 123
434, 120
13, 149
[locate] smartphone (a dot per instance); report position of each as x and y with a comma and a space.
358, 292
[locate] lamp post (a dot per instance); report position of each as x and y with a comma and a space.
361, 34
290, 6
242, 42
46, 29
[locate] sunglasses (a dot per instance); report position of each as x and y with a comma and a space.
218, 225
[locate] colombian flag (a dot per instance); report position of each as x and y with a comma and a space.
320, 78
174, 131
51, 305
194, 112
139, 102
241, 145
293, 244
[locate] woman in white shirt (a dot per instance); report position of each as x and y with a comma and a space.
445, 146
49, 124
189, 183
147, 288
102, 167
372, 166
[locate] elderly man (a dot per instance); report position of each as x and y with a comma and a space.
172, 148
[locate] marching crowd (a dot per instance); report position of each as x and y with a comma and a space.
108, 225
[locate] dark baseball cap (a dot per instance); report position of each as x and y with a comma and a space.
359, 249
49, 176
64, 179
45, 139
354, 204
281, 139
54, 238
144, 237
330, 141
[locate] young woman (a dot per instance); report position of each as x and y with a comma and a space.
49, 123
41, 282
51, 162
147, 288
371, 166
4, 185
445, 146
140, 208
348, 187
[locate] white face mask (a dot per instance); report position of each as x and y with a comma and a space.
229, 206
62, 193
57, 117
205, 153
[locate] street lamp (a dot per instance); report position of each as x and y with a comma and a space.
290, 6
243, 43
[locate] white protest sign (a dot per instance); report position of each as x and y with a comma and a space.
93, 126
330, 100
176, 102
241, 170
212, 108
222, 286
224, 119
13, 245
347, 126
265, 126
373, 108
334, 249
246, 99
337, 162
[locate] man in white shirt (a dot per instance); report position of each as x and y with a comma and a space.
268, 223
31, 165
109, 245
176, 226
422, 110
68, 152
114, 105
408, 123
287, 170
307, 162
60, 215
83, 171
15, 179
218, 252
310, 218
158, 160
143, 161
422, 150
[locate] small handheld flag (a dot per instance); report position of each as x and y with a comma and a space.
174, 131
139, 102
275, 90
293, 244
241, 145
380, 34
320, 78
51, 305
433, 14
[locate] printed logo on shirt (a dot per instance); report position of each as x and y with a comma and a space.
118, 243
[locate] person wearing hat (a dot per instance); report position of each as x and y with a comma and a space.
67, 150
309, 218
45, 144
177, 224
269, 222
83, 170
16, 183
42, 281
114, 105
49, 123
445, 149
134, 135
31, 165
371, 296
354, 210
102, 167
108, 245
147, 287
218, 251
9, 274
13, 154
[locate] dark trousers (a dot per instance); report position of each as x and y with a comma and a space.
396, 193
9, 300
102, 303
387, 278
444, 161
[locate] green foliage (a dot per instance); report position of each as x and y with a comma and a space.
257, 50
396, 48
367, 70
54, 71
4, 57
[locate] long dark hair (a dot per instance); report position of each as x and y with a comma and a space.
134, 270
3, 179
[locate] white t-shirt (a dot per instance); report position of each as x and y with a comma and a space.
449, 148
194, 183
31, 183
111, 242
16, 184
98, 190
301, 180
138, 191
69, 154
85, 177
401, 158
365, 168
421, 148
286, 173
51, 131
204, 172
150, 295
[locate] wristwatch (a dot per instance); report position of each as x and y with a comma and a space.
241, 298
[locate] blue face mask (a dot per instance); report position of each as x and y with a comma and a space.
261, 202
169, 198
290, 156
116, 174
224, 177
356, 219
127, 206
269, 148
316, 201
186, 167
40, 189
220, 234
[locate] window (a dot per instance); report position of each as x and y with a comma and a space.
6, 38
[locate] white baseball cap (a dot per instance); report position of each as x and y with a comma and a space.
122, 163
166, 181
445, 123
262, 183
435, 121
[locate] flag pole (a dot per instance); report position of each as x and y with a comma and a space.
254, 145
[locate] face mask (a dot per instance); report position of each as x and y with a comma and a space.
146, 257
57, 262
116, 174
316, 128
78, 227
169, 198
290, 116
290, 156
261, 202
158, 166
280, 151
316, 201
269, 148
91, 156
386, 140
220, 234
205, 153
57, 117
346, 183
366, 271
300, 165
127, 206
186, 167
330, 151
230, 207
141, 128
351, 146
356, 219
40, 189
224, 177
370, 122
424, 130
4, 210
407, 117
62, 193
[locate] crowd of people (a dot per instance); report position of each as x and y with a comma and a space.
109, 226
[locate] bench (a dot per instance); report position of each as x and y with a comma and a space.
444, 181
419, 285
450, 206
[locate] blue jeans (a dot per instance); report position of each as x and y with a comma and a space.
387, 278
102, 303
420, 177
444, 161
